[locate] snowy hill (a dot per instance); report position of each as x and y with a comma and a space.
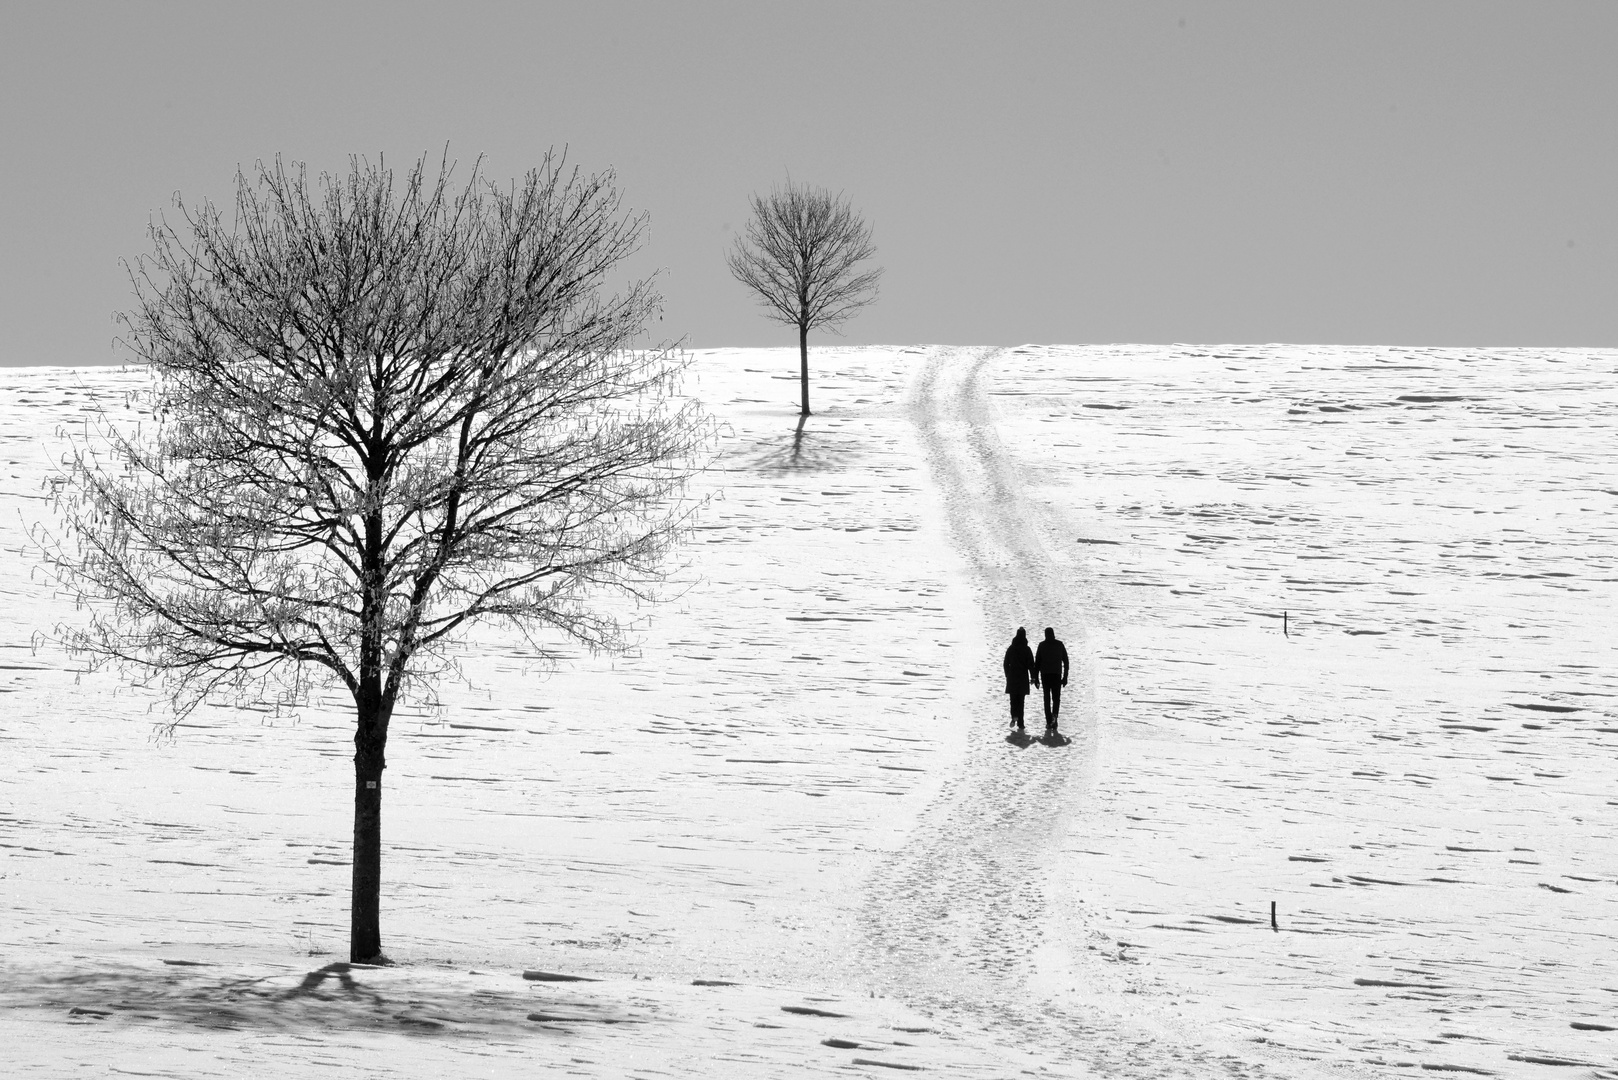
790, 835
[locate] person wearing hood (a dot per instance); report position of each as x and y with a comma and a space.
1019, 665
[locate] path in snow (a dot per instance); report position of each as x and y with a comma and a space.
962, 905
969, 916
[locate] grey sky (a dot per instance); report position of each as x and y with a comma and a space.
1398, 173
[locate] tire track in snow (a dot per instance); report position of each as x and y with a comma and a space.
965, 917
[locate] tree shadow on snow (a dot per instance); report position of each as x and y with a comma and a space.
806, 451
336, 997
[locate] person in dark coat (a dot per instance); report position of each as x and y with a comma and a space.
1019, 665
1050, 672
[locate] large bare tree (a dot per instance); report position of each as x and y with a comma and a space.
800, 253
381, 411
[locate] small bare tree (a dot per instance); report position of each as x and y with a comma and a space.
799, 254
380, 416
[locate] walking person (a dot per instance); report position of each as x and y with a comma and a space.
1050, 673
1019, 665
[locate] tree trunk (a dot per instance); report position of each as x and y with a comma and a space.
803, 370
370, 740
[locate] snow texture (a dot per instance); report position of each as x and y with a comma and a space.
792, 835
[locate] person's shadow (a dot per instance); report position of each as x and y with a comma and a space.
1020, 739
1055, 739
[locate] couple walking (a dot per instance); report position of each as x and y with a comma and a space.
1047, 668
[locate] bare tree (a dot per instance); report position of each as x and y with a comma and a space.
380, 416
799, 255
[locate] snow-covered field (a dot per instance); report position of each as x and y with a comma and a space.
799, 798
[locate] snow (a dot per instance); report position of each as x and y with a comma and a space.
800, 791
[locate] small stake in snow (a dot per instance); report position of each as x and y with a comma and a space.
1273, 925
1284, 632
